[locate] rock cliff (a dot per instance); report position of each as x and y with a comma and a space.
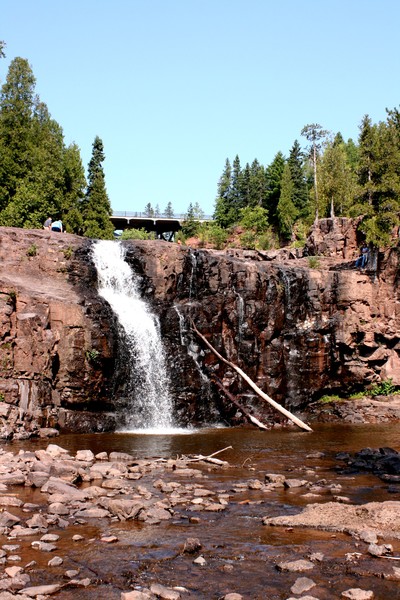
298, 326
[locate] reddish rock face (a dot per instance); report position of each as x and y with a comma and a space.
297, 331
50, 321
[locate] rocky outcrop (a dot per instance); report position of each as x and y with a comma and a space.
300, 327
56, 336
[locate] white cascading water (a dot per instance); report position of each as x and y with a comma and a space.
152, 405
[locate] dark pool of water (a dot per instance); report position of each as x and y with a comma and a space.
241, 553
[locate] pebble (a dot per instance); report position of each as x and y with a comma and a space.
200, 560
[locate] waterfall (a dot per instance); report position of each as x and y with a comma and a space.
151, 404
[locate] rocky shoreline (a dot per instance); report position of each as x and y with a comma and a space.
86, 495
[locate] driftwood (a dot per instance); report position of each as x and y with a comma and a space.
252, 384
232, 398
210, 458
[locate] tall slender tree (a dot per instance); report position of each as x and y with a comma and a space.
300, 195
314, 133
222, 212
286, 209
96, 209
273, 176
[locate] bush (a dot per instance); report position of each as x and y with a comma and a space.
384, 388
313, 262
138, 234
215, 235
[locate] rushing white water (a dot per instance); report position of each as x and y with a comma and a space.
151, 408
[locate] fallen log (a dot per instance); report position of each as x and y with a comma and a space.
251, 383
232, 398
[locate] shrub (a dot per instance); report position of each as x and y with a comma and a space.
384, 388
138, 234
313, 262
32, 250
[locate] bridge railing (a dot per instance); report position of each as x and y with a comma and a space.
143, 215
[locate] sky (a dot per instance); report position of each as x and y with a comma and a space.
175, 87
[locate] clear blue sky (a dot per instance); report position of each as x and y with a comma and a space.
174, 87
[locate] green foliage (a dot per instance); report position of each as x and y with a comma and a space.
168, 211
96, 207
384, 388
36, 176
138, 234
313, 262
214, 235
2, 398
68, 252
248, 240
286, 210
327, 399
255, 218
191, 226
32, 250
93, 356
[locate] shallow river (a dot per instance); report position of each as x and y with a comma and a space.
241, 554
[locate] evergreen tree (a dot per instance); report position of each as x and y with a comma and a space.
74, 189
169, 211
16, 115
313, 133
96, 209
157, 211
273, 176
286, 209
258, 185
236, 198
300, 196
148, 210
222, 212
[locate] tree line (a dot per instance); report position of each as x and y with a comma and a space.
330, 178
40, 176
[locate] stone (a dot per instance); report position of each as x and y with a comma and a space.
191, 546
358, 594
137, 595
200, 561
39, 590
301, 585
8, 519
295, 566
163, 592
233, 596
55, 562
13, 571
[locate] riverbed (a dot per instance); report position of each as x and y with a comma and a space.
241, 554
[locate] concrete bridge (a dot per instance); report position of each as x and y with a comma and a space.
160, 225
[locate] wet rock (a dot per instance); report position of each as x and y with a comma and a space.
55, 562
10, 501
110, 539
93, 513
57, 508
200, 561
13, 571
44, 546
191, 546
295, 566
7, 519
358, 594
37, 521
163, 592
275, 478
380, 550
123, 509
301, 585
295, 483
137, 595
39, 590
85, 455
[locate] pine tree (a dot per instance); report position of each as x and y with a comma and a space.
258, 184
273, 176
169, 211
149, 210
74, 189
222, 212
300, 195
16, 115
96, 209
286, 209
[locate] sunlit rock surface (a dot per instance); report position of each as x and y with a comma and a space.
299, 326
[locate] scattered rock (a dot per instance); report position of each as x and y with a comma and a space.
358, 594
296, 566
